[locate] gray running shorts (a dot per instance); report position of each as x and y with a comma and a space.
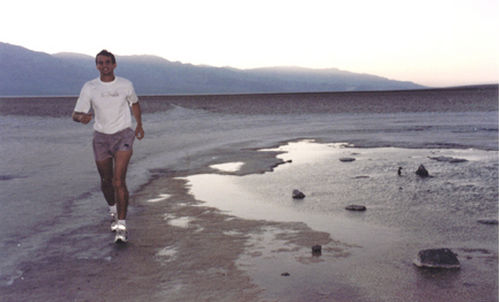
106, 145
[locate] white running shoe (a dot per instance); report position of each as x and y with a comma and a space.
114, 226
121, 234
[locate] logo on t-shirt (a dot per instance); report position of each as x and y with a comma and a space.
110, 94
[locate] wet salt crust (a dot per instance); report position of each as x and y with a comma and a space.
228, 167
62, 250
404, 215
161, 197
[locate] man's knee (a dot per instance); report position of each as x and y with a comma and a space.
119, 184
106, 182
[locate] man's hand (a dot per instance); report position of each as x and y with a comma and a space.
137, 113
86, 118
81, 117
139, 132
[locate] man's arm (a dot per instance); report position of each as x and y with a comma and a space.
81, 117
137, 114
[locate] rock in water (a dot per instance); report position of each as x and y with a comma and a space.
491, 221
317, 250
448, 159
297, 194
422, 171
437, 258
355, 207
347, 159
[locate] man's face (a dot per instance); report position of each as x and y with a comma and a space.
105, 65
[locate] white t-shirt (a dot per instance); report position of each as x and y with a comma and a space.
111, 102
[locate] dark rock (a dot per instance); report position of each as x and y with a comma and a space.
448, 159
10, 177
458, 160
347, 159
355, 207
281, 163
399, 172
422, 171
286, 274
317, 250
437, 258
491, 221
297, 194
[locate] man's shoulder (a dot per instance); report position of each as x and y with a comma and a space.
97, 84
123, 81
92, 83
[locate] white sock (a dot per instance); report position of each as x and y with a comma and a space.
112, 209
122, 222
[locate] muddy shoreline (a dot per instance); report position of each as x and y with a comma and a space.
163, 262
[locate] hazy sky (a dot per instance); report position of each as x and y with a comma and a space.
430, 42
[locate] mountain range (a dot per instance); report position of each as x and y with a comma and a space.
25, 72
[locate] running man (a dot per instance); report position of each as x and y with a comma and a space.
109, 97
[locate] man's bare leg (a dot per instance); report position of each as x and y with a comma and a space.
121, 160
105, 168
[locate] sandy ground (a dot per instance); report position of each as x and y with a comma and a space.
179, 250
182, 250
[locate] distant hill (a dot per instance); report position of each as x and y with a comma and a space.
24, 72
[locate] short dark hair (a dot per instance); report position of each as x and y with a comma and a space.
107, 54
